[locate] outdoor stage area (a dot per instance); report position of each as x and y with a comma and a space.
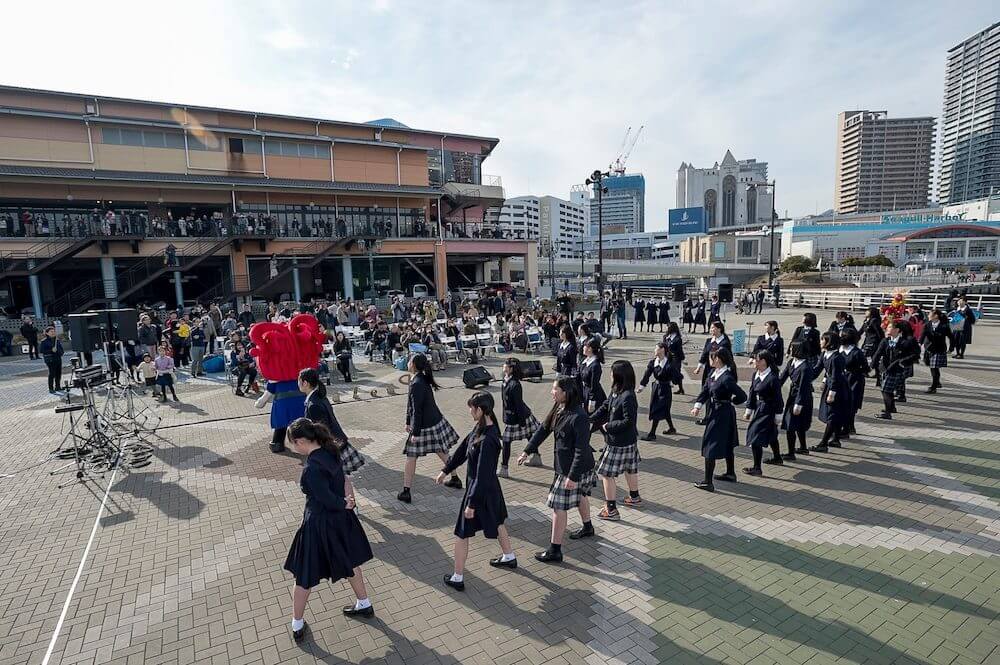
885, 551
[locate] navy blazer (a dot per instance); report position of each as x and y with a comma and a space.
776, 346
573, 454
590, 382
566, 360
810, 339
319, 410
620, 414
937, 340
421, 409
515, 411
709, 344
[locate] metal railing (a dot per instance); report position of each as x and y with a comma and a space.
491, 180
859, 300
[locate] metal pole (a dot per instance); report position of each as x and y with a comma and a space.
770, 256
600, 241
583, 271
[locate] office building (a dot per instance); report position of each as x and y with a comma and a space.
730, 192
882, 163
970, 123
633, 246
579, 195
94, 190
562, 222
623, 207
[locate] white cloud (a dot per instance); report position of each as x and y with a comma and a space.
285, 39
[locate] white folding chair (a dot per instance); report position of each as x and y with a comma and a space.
469, 344
451, 347
485, 342
535, 340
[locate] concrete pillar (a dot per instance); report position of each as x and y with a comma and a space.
505, 269
109, 279
530, 268
296, 282
178, 288
440, 270
480, 273
36, 292
396, 274
348, 273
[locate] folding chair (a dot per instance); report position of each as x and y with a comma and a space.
469, 345
535, 341
451, 347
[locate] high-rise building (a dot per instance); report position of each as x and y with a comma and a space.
970, 123
580, 195
883, 163
623, 207
730, 192
540, 217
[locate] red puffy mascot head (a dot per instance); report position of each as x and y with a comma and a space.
283, 349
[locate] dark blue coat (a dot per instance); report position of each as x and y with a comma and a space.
319, 410
766, 405
699, 312
835, 381
800, 392
776, 346
566, 360
810, 339
718, 396
661, 397
856, 366
710, 346
482, 487
590, 382
619, 414
573, 454
421, 409
515, 411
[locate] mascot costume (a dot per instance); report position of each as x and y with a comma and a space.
282, 350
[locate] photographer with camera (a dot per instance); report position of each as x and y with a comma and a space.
51, 350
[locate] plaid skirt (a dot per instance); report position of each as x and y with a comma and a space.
350, 459
908, 372
513, 433
561, 498
438, 438
891, 382
616, 460
937, 360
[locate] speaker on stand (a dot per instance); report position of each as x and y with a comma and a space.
476, 377
532, 369
680, 292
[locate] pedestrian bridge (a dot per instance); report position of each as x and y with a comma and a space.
737, 271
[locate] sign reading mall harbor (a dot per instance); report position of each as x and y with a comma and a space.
686, 220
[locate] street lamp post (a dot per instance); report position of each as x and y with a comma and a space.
770, 233
597, 180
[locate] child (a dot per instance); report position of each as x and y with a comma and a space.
147, 372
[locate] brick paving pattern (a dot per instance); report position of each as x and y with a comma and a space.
886, 551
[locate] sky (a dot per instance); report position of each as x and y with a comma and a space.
557, 82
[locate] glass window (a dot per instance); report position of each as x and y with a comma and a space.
172, 140
272, 147
131, 137
251, 146
153, 139
719, 249
112, 135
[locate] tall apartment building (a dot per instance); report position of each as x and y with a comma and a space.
539, 217
970, 123
883, 163
623, 208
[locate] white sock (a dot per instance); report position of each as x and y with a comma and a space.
457, 578
298, 623
362, 603
508, 557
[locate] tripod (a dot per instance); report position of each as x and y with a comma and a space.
94, 452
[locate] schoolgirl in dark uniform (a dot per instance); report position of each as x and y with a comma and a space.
566, 354
718, 340
640, 314
764, 409
964, 337
797, 416
618, 419
319, 410
663, 315
718, 395
573, 463
871, 330
483, 507
842, 321
429, 431
590, 376
675, 355
519, 422
687, 316
661, 398
714, 310
699, 314
330, 544
651, 310
836, 400
891, 358
909, 342
857, 368
809, 336
771, 342
937, 341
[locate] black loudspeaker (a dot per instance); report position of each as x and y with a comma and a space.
123, 324
477, 376
725, 292
680, 292
532, 369
84, 332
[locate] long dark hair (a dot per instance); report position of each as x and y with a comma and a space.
829, 341
303, 428
797, 350
570, 388
595, 345
311, 377
848, 337
423, 367
622, 376
726, 356
567, 332
673, 329
516, 371
483, 400
767, 357
809, 319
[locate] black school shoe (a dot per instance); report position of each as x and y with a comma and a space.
454, 481
672, 430
300, 634
775, 460
548, 556
727, 477
582, 532
820, 448
708, 487
276, 448
649, 437
404, 495
457, 586
352, 611
751, 471
882, 415
500, 563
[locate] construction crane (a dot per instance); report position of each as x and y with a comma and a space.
618, 166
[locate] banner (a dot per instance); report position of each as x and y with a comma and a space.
683, 221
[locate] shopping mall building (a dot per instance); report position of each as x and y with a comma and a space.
108, 201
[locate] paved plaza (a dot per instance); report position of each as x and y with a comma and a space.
885, 551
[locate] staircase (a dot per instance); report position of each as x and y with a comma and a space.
80, 299
45, 254
320, 249
150, 268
